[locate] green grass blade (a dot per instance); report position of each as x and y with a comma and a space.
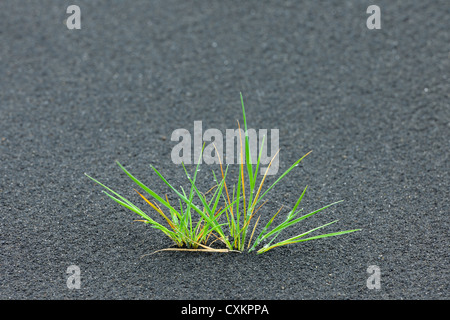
129, 205
139, 212
309, 231
149, 191
262, 250
259, 159
282, 176
124, 200
289, 223
247, 148
298, 201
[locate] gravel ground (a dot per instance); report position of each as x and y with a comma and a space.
373, 105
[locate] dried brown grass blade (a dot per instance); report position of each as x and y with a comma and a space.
158, 209
254, 228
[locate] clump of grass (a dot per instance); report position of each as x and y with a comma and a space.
240, 209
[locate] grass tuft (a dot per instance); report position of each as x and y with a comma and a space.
192, 228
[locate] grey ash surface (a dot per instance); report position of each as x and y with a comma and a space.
373, 105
